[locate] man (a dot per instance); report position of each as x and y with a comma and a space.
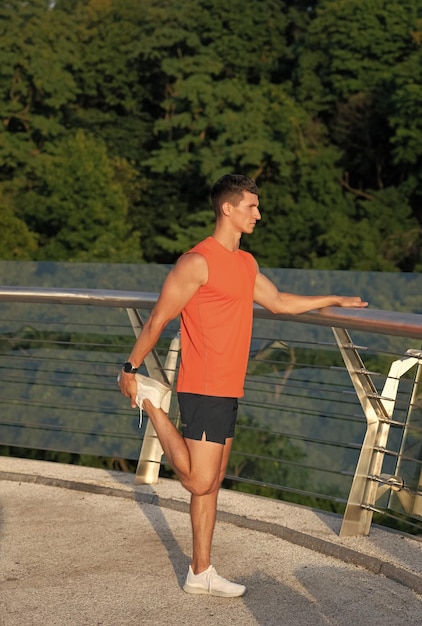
213, 287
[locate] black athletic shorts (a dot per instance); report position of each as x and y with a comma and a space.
213, 415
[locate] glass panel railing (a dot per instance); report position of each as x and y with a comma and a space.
300, 423
58, 363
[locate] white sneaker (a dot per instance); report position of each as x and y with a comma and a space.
209, 582
152, 390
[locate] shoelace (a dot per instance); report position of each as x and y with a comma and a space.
210, 577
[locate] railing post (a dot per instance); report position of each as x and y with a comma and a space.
151, 453
412, 502
369, 482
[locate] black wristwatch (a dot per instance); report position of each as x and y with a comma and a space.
128, 368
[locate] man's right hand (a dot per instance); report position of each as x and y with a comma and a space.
128, 387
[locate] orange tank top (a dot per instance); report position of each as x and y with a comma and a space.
216, 324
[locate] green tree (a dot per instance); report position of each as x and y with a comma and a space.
17, 242
318, 101
36, 80
351, 46
78, 204
406, 140
220, 68
115, 90
55, 78
359, 72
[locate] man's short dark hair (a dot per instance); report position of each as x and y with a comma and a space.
230, 188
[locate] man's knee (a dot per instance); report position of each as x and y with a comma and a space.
202, 486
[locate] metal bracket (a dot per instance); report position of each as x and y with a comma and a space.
151, 453
378, 410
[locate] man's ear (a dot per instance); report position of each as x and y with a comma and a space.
226, 208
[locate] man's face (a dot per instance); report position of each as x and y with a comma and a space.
245, 214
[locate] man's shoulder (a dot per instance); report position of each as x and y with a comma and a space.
192, 264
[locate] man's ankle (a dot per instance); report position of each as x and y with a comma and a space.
199, 569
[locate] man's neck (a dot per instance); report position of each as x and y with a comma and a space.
229, 240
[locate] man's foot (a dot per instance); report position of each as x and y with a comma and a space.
209, 582
152, 390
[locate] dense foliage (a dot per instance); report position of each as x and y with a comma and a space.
119, 114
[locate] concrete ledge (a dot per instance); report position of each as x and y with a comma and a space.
394, 555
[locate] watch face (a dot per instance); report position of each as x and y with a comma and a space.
128, 368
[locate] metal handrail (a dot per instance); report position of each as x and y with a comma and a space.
368, 320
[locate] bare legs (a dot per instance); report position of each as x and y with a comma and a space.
200, 467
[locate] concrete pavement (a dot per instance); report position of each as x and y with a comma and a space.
81, 546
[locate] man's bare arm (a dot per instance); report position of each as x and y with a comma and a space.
267, 295
183, 281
